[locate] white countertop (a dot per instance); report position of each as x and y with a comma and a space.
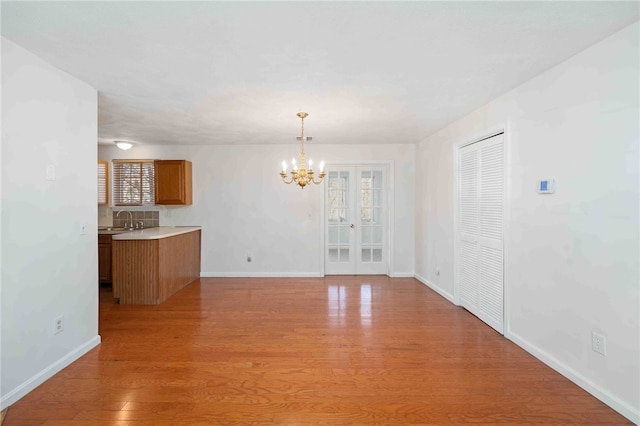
155, 233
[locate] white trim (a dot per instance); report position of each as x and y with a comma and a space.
485, 134
506, 231
260, 275
435, 288
401, 275
456, 219
391, 208
322, 227
622, 407
14, 395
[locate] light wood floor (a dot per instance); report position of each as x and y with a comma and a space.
340, 350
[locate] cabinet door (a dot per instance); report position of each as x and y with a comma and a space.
173, 182
104, 258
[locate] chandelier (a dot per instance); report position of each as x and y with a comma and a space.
301, 175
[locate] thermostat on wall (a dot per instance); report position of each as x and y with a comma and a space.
547, 186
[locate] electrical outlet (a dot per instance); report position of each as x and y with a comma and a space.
51, 172
437, 272
599, 343
83, 228
59, 324
249, 259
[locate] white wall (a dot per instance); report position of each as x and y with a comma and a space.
48, 268
244, 208
572, 264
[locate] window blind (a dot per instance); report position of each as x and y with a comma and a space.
103, 182
133, 182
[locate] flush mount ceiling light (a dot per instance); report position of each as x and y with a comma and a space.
124, 145
300, 175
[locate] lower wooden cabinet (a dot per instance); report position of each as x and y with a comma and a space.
149, 271
104, 258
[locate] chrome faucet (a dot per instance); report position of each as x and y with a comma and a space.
130, 218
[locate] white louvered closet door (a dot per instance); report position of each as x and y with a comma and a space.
480, 229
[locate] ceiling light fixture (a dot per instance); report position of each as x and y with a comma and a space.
123, 145
300, 175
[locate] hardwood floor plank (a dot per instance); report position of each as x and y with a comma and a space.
311, 351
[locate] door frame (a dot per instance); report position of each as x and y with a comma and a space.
505, 129
390, 208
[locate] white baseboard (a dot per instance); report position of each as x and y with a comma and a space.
435, 288
625, 409
13, 396
260, 275
401, 275
283, 275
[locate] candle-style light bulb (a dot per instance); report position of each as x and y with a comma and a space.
310, 163
284, 167
321, 166
293, 163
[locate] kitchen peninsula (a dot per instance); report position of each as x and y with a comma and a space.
150, 265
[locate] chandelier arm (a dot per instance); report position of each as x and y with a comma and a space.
320, 178
283, 175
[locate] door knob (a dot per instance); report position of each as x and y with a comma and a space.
352, 226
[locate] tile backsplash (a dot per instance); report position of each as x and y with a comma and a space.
149, 219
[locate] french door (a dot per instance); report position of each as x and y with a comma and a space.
356, 220
480, 229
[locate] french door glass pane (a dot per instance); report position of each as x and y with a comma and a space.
338, 192
339, 234
344, 255
377, 197
376, 234
339, 216
376, 216
365, 255
333, 235
333, 254
377, 255
376, 179
344, 234
366, 235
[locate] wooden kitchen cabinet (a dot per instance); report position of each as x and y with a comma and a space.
149, 268
104, 258
173, 182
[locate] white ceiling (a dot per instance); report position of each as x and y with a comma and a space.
199, 73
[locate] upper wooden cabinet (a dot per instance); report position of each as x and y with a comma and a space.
173, 182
